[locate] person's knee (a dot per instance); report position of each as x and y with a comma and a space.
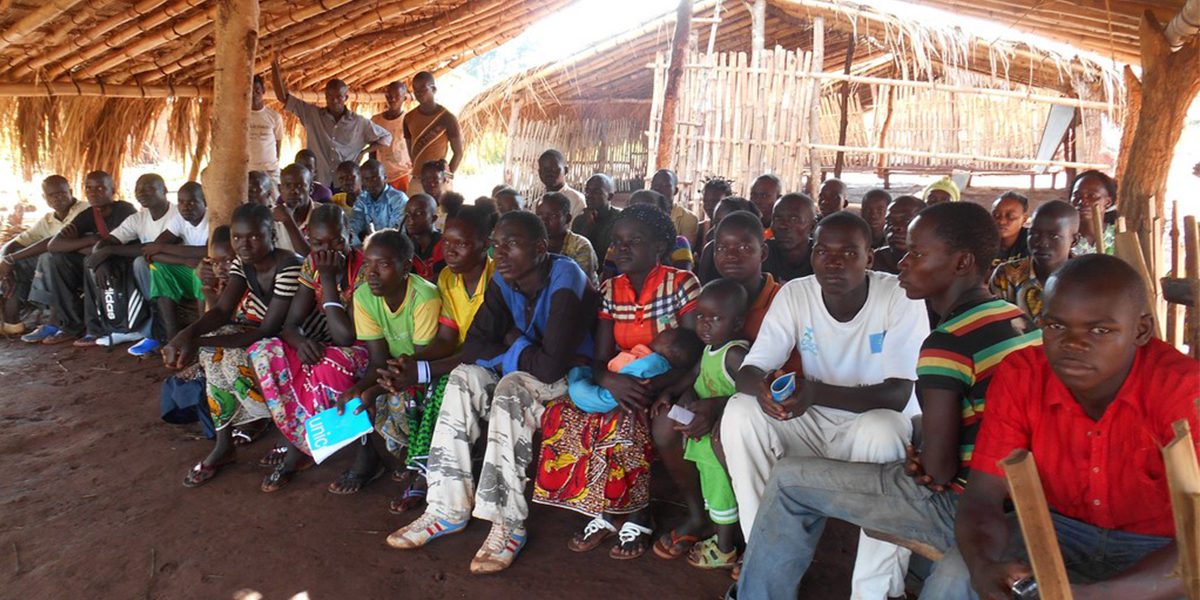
881, 434
740, 412
666, 439
513, 384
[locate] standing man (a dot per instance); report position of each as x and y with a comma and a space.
266, 133
21, 258
596, 221
552, 170
397, 165
666, 182
431, 130
334, 133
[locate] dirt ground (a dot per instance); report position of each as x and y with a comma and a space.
92, 506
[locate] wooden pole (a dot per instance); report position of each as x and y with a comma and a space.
514, 120
840, 158
17, 32
1029, 500
1128, 247
758, 31
1183, 481
1191, 242
236, 38
1174, 320
1170, 81
666, 130
966, 158
814, 113
85, 89
881, 164
966, 89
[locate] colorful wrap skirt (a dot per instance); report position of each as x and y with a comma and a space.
406, 420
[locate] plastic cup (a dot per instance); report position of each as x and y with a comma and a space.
782, 388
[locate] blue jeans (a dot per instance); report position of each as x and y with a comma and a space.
1090, 553
803, 492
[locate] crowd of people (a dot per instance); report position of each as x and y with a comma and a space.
788, 360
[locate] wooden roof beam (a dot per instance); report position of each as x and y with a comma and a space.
135, 27
149, 41
28, 67
17, 32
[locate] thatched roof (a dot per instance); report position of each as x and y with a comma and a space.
612, 78
1106, 27
83, 83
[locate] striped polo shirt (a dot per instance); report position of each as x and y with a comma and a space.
961, 354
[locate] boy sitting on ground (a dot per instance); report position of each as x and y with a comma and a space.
1094, 405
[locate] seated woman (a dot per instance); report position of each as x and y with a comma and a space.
461, 287
1010, 210
678, 253
395, 315
315, 359
598, 462
253, 305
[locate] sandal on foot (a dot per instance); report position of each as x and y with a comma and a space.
245, 435
276, 479
707, 555
673, 545
274, 457
736, 572
201, 473
412, 498
351, 482
633, 541
594, 533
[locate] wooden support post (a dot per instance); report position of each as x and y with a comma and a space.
1170, 81
1025, 489
1174, 269
814, 113
758, 31
1127, 246
514, 121
666, 129
840, 158
1191, 242
1097, 220
1183, 480
881, 164
236, 36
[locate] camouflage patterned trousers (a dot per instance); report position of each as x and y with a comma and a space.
511, 408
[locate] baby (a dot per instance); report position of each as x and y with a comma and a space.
673, 348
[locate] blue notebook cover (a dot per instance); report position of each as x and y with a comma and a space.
327, 432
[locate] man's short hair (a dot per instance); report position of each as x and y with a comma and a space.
528, 222
848, 219
965, 227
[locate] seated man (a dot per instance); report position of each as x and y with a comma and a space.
291, 210
72, 285
22, 257
317, 191
173, 258
349, 184
899, 214
1094, 406
1054, 230
379, 206
952, 246
833, 198
859, 337
534, 325
120, 251
873, 206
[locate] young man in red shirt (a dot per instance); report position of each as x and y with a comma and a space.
1094, 405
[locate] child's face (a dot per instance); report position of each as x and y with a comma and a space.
874, 212
431, 182
717, 320
738, 254
1050, 240
221, 256
506, 203
461, 246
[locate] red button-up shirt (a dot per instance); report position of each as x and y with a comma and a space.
1108, 473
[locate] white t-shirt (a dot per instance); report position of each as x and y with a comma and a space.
192, 235
578, 202
396, 163
142, 227
265, 129
883, 341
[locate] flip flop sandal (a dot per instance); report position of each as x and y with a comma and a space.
351, 482
673, 545
274, 457
706, 555
401, 475
202, 473
594, 533
736, 572
629, 535
245, 435
412, 498
278, 478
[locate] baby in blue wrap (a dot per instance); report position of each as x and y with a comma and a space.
673, 348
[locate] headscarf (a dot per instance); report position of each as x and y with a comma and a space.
946, 185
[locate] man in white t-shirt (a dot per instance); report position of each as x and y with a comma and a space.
859, 337
173, 258
552, 171
397, 165
123, 246
265, 128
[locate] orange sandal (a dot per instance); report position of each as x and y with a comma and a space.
673, 546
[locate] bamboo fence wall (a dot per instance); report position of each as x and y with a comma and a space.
613, 146
740, 121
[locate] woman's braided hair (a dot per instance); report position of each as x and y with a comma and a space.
655, 222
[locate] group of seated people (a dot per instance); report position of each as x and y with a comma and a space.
586, 340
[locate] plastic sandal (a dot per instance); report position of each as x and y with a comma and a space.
274, 457
629, 534
673, 545
594, 533
706, 555
201, 473
351, 482
412, 498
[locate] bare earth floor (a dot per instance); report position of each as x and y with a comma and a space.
92, 506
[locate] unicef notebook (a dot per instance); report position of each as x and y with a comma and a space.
327, 432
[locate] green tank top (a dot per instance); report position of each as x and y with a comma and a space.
713, 380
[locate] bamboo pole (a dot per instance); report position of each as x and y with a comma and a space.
758, 28
73, 43
17, 32
814, 115
1175, 269
966, 158
1128, 247
666, 129
236, 41
963, 89
840, 159
1191, 241
88, 89
514, 121
1041, 544
1183, 481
